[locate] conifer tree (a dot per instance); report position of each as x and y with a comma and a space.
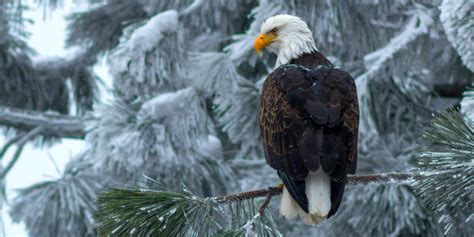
177, 150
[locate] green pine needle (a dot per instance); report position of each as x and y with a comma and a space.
146, 212
138, 212
447, 161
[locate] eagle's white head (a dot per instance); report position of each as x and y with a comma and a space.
287, 36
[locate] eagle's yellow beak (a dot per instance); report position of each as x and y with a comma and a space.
262, 41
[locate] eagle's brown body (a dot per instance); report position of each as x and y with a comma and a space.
309, 119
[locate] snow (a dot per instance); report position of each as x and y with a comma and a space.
36, 165
211, 146
167, 103
467, 104
191, 8
418, 24
167, 128
457, 17
157, 26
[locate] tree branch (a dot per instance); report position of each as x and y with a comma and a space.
351, 180
52, 124
9, 144
191, 8
21, 143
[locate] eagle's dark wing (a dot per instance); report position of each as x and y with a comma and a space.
309, 118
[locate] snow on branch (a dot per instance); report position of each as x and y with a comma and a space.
52, 124
180, 111
149, 56
443, 181
467, 103
419, 21
457, 17
161, 136
71, 195
235, 98
417, 25
147, 37
166, 104
74, 72
191, 8
213, 72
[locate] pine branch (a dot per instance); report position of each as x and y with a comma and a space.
448, 164
444, 174
9, 144
52, 124
132, 211
70, 195
191, 8
21, 143
351, 180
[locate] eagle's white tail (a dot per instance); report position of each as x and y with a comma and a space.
318, 191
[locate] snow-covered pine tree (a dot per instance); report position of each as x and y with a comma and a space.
183, 121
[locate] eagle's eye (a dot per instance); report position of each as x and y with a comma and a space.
274, 31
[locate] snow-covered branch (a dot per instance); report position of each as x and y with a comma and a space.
457, 18
418, 24
20, 144
157, 26
53, 124
191, 8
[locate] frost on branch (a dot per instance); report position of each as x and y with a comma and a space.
212, 73
72, 195
178, 116
148, 57
398, 212
132, 134
467, 103
381, 66
447, 161
148, 36
235, 98
457, 17
418, 24
237, 115
159, 138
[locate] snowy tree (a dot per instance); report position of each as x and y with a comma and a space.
177, 151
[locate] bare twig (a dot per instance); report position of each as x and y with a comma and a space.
275, 191
20, 144
382, 178
265, 203
53, 124
351, 180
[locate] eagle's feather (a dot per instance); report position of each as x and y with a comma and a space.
309, 122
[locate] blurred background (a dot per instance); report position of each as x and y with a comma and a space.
110, 93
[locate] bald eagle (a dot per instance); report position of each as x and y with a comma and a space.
308, 119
